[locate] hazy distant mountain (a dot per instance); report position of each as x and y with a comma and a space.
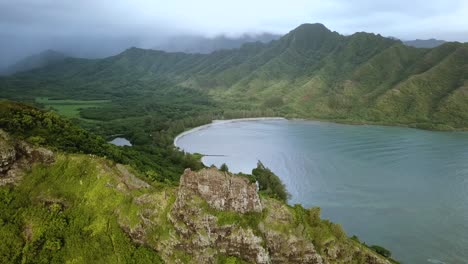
424, 43
42, 59
200, 44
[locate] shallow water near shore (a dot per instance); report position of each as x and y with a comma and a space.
401, 188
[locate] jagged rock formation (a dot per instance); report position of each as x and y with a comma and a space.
200, 232
18, 156
221, 190
214, 214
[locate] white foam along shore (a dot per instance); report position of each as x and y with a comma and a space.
217, 122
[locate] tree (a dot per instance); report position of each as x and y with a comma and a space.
269, 183
224, 167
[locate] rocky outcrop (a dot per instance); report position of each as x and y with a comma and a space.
221, 190
203, 235
214, 214
16, 157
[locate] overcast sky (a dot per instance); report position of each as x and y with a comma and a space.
96, 27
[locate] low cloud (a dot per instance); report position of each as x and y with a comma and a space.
93, 28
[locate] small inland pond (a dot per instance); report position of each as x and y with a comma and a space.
119, 141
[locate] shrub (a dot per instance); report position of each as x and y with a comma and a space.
269, 183
224, 167
381, 250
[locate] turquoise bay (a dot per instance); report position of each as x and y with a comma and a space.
404, 189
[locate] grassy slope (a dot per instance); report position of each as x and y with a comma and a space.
70, 108
65, 213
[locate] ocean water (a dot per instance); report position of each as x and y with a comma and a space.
401, 188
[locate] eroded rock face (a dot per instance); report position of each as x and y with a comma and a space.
17, 157
200, 234
221, 190
203, 237
214, 214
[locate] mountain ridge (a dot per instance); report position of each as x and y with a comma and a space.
318, 73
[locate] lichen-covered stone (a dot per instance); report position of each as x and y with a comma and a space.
222, 190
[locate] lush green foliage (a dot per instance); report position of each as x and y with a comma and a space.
269, 183
381, 250
46, 128
310, 72
65, 213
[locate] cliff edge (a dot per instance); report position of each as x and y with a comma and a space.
211, 217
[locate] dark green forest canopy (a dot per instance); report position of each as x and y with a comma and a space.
161, 163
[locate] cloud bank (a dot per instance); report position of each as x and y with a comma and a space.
99, 28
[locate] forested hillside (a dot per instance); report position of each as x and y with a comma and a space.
311, 72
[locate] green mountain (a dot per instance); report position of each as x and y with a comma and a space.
311, 72
42, 59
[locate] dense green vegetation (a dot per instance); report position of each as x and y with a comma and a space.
381, 250
48, 129
149, 96
310, 72
66, 213
269, 183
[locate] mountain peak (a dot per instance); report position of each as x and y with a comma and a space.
308, 37
309, 28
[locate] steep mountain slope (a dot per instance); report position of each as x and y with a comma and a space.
310, 72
